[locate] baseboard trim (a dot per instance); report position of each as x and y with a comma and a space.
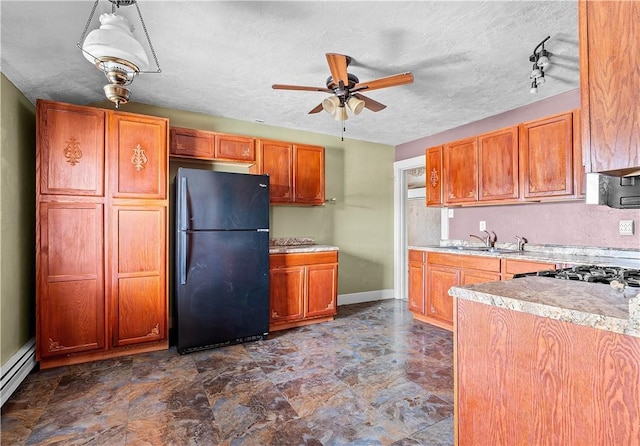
366, 296
16, 369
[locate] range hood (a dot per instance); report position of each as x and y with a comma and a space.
615, 192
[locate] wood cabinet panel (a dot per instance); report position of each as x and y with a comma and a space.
138, 274
286, 291
308, 176
546, 154
525, 379
434, 176
234, 147
469, 277
461, 171
417, 290
71, 149
191, 143
498, 165
512, 266
277, 162
322, 283
69, 268
138, 156
439, 305
609, 85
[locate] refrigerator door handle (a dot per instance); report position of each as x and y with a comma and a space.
182, 231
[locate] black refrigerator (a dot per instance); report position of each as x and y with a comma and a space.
221, 258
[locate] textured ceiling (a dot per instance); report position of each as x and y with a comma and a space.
469, 59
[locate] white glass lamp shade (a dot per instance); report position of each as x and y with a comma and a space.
330, 104
356, 105
534, 88
536, 73
113, 42
543, 62
340, 114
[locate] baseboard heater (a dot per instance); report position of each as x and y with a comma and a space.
17, 368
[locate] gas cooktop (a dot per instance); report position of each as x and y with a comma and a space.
615, 276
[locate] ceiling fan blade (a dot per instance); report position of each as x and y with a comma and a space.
370, 103
338, 67
317, 109
384, 82
300, 88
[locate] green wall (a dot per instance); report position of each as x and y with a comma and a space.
17, 220
358, 174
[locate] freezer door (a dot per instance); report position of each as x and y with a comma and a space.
221, 200
225, 298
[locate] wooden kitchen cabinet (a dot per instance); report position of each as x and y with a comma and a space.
296, 172
509, 267
461, 171
498, 165
609, 85
432, 274
546, 157
303, 288
101, 253
434, 180
234, 148
191, 143
526, 379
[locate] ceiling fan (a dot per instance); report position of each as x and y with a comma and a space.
346, 88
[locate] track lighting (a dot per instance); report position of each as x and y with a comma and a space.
540, 61
114, 50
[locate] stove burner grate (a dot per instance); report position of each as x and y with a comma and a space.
592, 273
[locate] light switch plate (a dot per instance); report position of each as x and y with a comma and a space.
625, 227
483, 225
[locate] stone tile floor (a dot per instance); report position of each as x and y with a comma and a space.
371, 377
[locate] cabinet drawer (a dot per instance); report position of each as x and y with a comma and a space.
466, 262
302, 258
417, 256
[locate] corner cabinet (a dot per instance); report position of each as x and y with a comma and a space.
101, 234
303, 288
296, 172
609, 85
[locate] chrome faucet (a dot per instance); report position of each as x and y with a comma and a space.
489, 241
520, 241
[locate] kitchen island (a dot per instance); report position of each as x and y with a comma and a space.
545, 361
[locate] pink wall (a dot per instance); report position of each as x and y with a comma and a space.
546, 107
568, 223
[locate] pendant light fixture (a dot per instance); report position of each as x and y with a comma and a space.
540, 61
114, 50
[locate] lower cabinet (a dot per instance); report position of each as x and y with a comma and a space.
303, 288
431, 274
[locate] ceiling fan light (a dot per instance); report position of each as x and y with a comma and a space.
536, 73
330, 104
543, 62
340, 114
534, 87
355, 105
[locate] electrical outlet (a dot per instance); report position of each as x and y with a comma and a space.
625, 227
483, 225
450, 213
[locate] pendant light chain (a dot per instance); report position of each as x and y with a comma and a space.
86, 27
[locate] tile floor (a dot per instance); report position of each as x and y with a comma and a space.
371, 377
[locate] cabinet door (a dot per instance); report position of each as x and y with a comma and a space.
138, 274
191, 143
546, 153
322, 291
235, 148
609, 85
471, 276
70, 299
510, 267
137, 156
498, 165
308, 175
439, 305
286, 294
276, 158
70, 148
434, 176
417, 275
461, 170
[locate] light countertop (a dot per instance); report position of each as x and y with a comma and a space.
288, 249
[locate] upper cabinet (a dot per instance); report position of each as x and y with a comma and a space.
534, 161
610, 85
546, 152
296, 172
434, 176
